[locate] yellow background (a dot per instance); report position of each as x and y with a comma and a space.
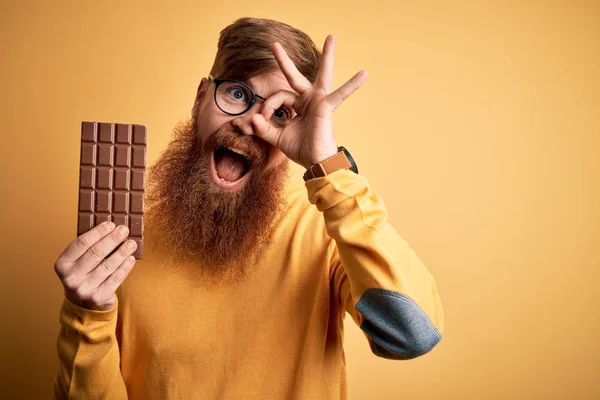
478, 125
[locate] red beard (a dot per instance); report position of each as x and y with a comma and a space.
224, 232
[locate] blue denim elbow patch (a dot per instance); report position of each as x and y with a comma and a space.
397, 327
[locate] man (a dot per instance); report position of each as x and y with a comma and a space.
245, 279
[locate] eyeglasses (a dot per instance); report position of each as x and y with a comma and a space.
236, 97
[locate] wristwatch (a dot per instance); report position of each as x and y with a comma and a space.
341, 160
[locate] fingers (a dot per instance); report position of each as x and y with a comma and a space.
88, 274
101, 297
110, 264
66, 261
275, 101
107, 289
98, 252
325, 75
297, 81
265, 130
83, 242
343, 92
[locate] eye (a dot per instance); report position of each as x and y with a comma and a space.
237, 93
282, 115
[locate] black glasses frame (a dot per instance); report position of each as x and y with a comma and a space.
218, 82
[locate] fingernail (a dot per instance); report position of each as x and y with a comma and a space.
130, 244
110, 225
123, 230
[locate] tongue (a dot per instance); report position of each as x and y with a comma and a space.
230, 166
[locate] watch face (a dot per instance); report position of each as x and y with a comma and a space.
353, 168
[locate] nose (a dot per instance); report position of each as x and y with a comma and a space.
243, 122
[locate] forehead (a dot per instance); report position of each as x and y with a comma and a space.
268, 83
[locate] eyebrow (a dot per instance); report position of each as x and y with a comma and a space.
247, 82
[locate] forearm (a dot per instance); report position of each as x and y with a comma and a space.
387, 283
88, 354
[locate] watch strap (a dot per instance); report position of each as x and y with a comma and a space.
327, 166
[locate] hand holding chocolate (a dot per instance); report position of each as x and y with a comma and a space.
110, 215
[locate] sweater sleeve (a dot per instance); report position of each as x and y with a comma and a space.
376, 276
88, 352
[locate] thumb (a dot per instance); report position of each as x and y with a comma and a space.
264, 130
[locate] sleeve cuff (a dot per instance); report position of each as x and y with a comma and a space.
332, 189
84, 315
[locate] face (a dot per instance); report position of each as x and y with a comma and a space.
215, 192
227, 169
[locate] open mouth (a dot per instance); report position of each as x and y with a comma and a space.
229, 168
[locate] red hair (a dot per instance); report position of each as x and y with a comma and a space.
244, 49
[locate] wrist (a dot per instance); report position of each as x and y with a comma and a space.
340, 160
321, 156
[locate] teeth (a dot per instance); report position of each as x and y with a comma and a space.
226, 181
238, 152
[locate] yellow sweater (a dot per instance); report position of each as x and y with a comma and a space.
277, 336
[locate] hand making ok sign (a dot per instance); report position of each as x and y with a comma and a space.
308, 138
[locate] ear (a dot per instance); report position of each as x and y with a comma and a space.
202, 89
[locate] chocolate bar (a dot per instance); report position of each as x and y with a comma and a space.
112, 178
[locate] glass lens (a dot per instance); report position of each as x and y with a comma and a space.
233, 97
